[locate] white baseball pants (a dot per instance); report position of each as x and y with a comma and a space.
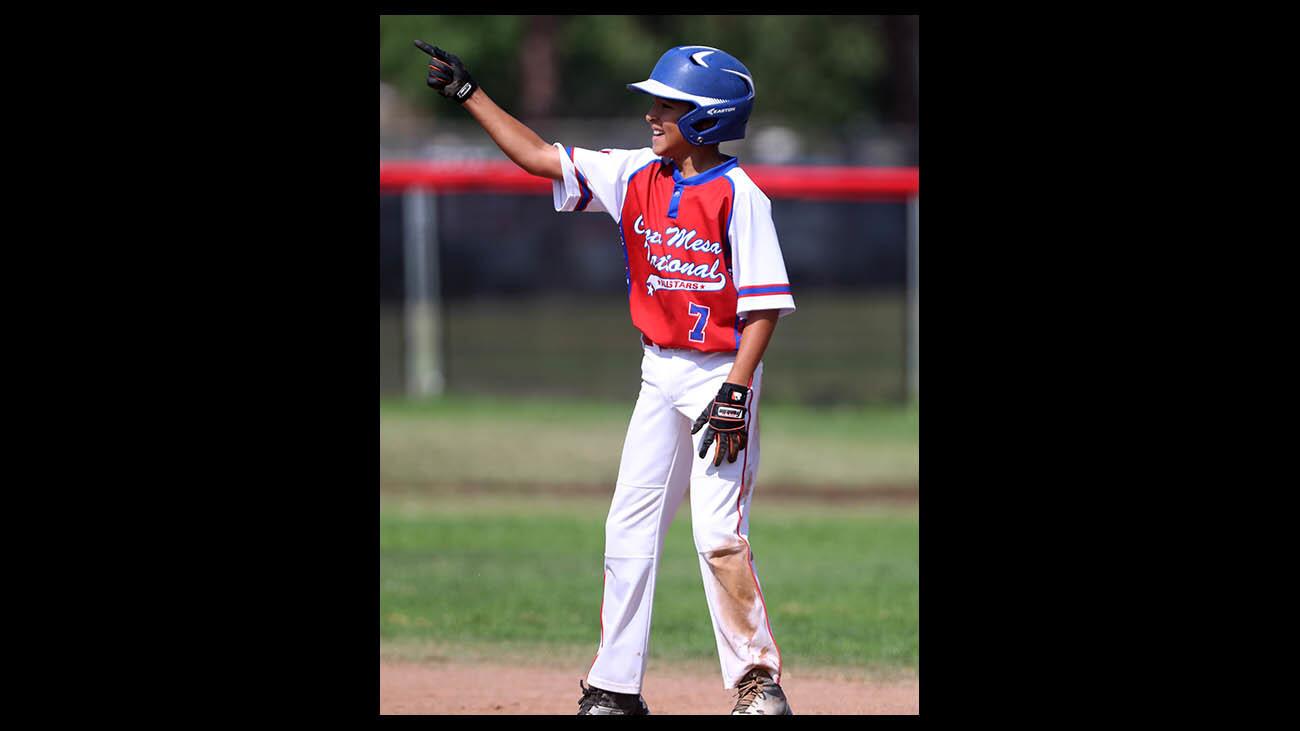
660, 461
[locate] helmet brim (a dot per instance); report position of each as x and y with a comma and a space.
664, 91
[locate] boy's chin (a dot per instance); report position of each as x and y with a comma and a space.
661, 147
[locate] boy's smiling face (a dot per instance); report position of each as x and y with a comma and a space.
665, 138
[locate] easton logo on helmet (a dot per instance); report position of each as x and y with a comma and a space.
721, 111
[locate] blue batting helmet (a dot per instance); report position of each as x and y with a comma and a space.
717, 83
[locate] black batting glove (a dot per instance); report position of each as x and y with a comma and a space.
726, 418
447, 75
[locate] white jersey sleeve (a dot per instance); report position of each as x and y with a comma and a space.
596, 180
758, 267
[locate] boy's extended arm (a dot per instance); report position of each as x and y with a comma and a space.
448, 76
521, 144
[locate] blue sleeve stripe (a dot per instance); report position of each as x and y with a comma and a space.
586, 192
774, 289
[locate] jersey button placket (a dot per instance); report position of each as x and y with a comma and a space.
672, 204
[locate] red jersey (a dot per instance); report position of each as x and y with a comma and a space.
700, 251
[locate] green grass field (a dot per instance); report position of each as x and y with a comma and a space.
560, 443
492, 533
521, 575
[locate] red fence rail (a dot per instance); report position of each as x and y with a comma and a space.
777, 181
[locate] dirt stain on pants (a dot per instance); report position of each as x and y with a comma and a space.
736, 593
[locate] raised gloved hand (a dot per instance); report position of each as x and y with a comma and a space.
726, 418
447, 75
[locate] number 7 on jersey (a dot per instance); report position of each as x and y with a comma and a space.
702, 314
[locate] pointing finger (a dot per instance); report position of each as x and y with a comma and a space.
425, 47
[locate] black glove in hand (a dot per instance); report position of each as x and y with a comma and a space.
447, 75
726, 418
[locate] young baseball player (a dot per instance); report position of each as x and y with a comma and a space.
706, 284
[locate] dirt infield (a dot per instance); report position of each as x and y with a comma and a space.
412, 688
